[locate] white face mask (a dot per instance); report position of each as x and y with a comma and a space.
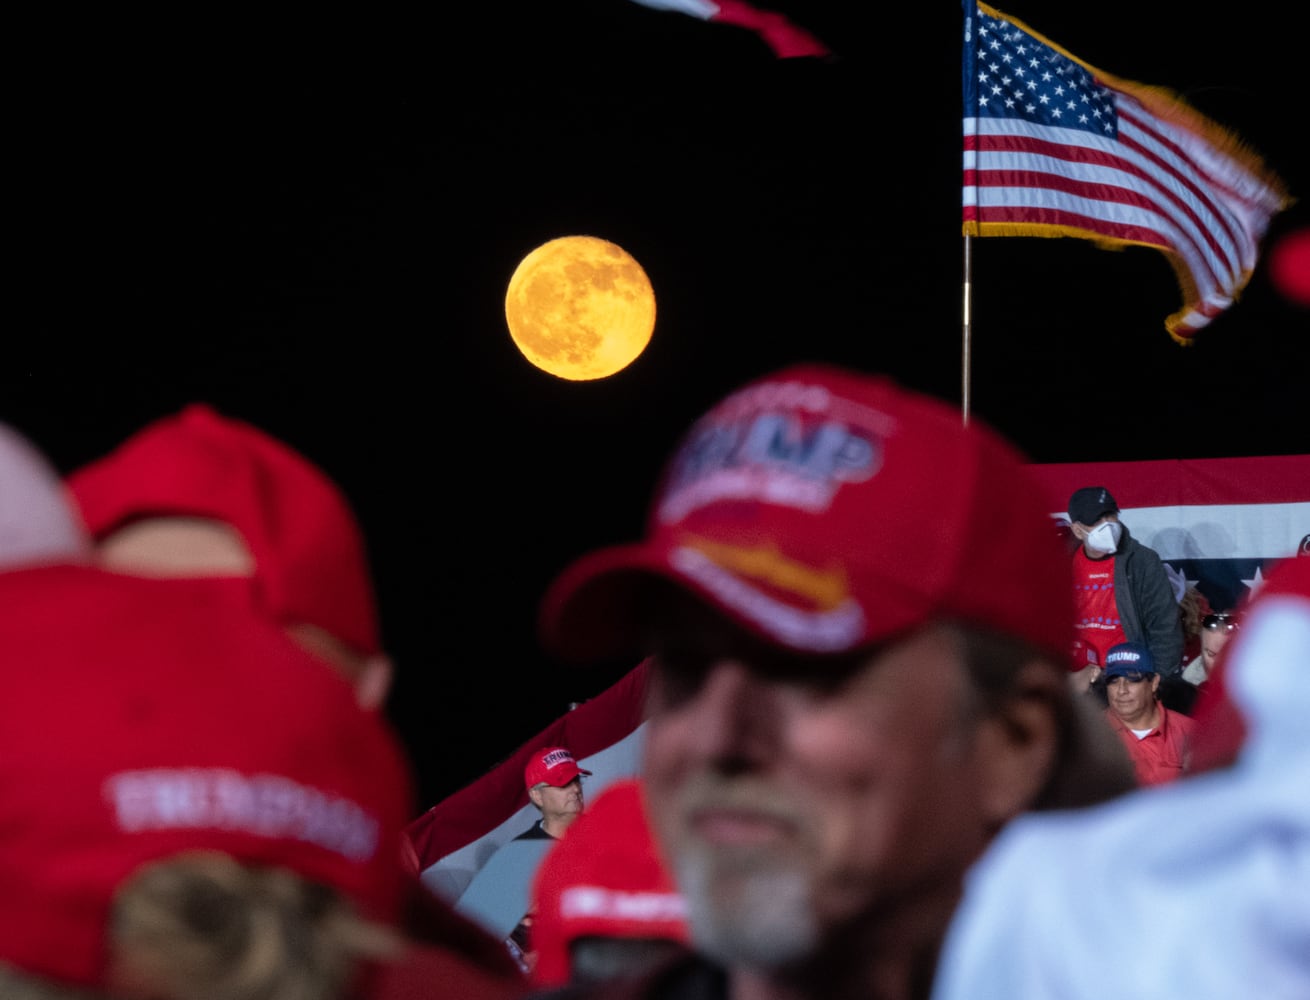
1105, 537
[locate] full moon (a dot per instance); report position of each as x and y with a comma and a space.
580, 307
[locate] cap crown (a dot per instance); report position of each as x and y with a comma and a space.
551, 766
1128, 657
826, 510
1091, 503
310, 560
146, 717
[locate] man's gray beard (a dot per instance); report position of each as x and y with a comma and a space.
760, 918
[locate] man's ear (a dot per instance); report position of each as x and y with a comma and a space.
1018, 743
534, 796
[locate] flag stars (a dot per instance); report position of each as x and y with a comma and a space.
1034, 81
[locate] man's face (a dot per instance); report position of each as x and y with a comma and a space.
1131, 696
1081, 531
562, 802
794, 795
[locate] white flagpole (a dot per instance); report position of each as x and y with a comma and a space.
968, 294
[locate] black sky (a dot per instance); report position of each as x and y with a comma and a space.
310, 224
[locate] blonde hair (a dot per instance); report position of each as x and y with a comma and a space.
203, 926
16, 985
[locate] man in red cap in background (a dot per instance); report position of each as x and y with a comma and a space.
554, 784
860, 629
553, 781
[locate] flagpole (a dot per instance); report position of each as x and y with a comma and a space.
968, 294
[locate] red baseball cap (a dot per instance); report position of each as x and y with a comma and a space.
825, 510
143, 718
310, 560
551, 766
604, 878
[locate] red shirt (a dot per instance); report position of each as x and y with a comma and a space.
1163, 754
1096, 616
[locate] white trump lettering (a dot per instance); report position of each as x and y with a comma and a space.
265, 805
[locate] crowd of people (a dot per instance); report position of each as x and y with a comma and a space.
884, 707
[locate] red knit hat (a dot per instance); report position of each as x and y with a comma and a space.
310, 560
604, 878
826, 510
142, 718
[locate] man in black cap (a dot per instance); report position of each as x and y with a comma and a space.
1121, 590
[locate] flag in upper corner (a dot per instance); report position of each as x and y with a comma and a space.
1055, 147
786, 39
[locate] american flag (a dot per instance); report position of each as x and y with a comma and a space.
1055, 147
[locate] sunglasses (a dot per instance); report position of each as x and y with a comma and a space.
1225, 620
1131, 676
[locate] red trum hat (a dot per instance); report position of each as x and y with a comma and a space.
310, 561
551, 766
145, 718
604, 878
826, 510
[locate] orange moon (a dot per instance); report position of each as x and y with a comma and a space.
580, 308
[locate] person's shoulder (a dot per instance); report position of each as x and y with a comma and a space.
1185, 724
535, 832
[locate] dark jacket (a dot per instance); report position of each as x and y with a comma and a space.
684, 977
1147, 609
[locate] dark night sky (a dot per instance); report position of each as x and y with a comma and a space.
311, 224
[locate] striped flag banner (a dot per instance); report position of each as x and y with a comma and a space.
1056, 147
787, 39
454, 839
1220, 522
